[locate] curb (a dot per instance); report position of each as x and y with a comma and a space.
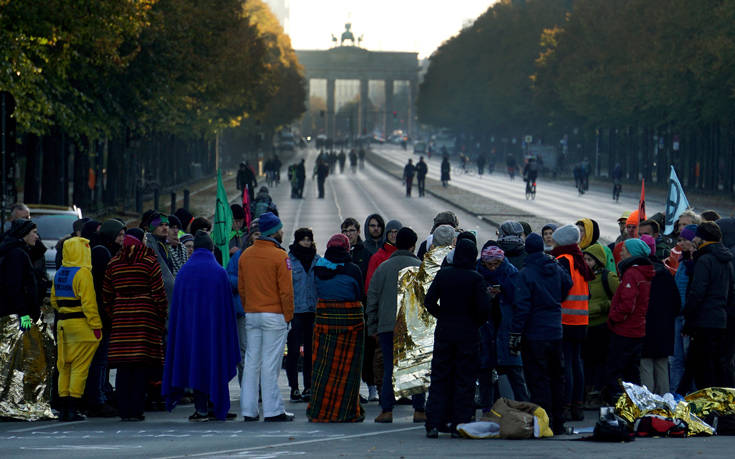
371, 160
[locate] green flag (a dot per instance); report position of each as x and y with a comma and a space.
222, 221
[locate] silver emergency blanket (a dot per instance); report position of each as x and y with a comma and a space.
26, 368
413, 337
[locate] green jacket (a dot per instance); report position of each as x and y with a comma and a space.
599, 304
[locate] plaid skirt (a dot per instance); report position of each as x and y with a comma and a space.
337, 352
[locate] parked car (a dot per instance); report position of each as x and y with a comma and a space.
419, 147
54, 223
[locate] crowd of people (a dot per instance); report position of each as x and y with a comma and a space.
558, 313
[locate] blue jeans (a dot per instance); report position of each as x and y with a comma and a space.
677, 361
387, 397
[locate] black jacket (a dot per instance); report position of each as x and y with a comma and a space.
663, 307
18, 283
515, 252
361, 257
465, 304
711, 290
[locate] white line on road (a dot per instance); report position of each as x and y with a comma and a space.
293, 443
47, 426
336, 203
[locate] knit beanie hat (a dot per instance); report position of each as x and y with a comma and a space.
689, 232
443, 236
709, 231
633, 218
637, 248
203, 241
566, 235
156, 221
492, 252
339, 241
186, 238
406, 238
510, 228
21, 227
238, 213
269, 224
111, 228
137, 233
650, 242
535, 243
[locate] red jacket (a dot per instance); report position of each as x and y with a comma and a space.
378, 257
630, 303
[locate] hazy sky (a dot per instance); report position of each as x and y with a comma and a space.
387, 25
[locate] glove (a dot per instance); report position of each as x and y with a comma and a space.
97, 333
25, 323
514, 343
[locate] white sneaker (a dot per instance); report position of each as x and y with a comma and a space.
372, 394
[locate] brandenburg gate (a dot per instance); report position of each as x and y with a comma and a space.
351, 62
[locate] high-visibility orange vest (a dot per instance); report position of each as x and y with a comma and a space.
575, 307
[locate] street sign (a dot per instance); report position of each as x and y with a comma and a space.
528, 139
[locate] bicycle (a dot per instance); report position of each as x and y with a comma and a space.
531, 189
617, 189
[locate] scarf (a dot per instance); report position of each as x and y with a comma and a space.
305, 255
577, 256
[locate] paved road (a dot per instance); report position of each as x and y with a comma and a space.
171, 435
554, 200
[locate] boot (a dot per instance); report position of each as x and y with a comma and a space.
566, 414
385, 417
63, 409
73, 414
577, 412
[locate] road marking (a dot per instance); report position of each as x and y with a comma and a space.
370, 197
336, 203
81, 447
293, 443
48, 426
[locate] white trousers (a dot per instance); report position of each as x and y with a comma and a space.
266, 339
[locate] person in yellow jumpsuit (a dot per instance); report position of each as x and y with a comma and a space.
79, 327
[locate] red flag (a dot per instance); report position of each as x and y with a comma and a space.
246, 207
641, 206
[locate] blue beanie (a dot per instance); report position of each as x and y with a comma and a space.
637, 248
534, 243
269, 224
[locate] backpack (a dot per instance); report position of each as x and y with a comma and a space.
260, 208
606, 284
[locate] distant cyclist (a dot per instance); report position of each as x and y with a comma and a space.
530, 174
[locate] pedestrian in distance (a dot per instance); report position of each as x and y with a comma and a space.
339, 337
303, 256
445, 171
135, 301
266, 288
409, 171
421, 170
459, 300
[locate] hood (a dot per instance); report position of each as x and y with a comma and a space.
465, 254
717, 249
727, 226
367, 233
512, 247
587, 240
392, 225
9, 243
642, 264
597, 252
546, 264
77, 253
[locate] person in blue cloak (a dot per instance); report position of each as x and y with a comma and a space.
202, 348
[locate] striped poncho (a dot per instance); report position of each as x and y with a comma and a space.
135, 299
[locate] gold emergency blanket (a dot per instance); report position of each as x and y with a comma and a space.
705, 401
413, 337
637, 401
26, 366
